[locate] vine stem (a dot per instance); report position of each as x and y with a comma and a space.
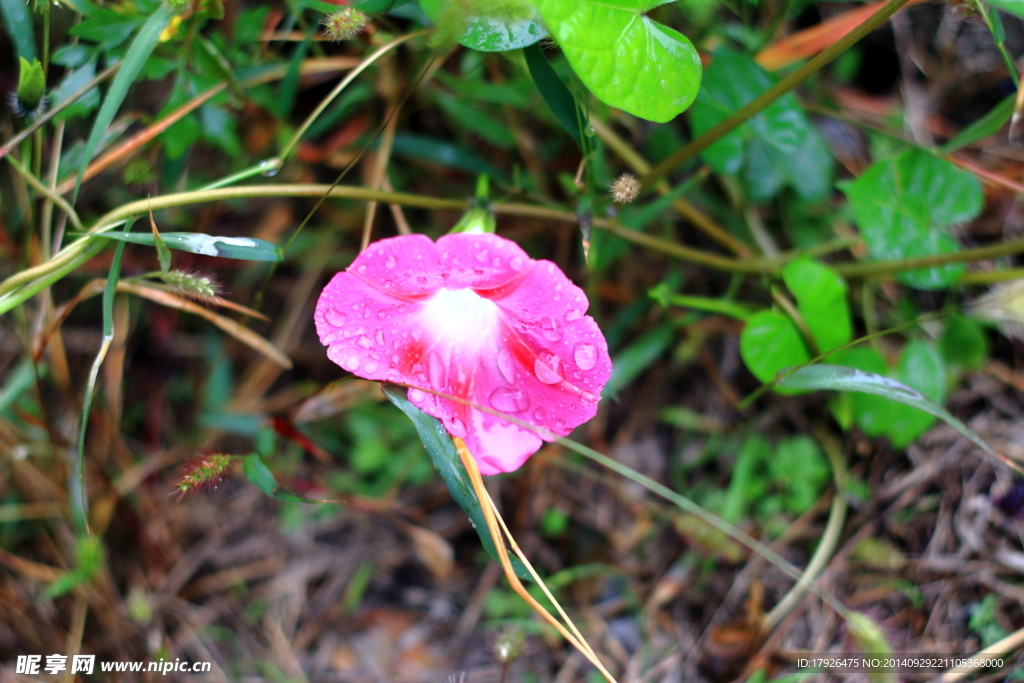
760, 102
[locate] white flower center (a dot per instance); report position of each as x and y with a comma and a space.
461, 316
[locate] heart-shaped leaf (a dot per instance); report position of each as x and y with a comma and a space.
493, 26
624, 57
902, 205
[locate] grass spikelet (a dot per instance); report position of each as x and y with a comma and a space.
201, 473
345, 24
192, 285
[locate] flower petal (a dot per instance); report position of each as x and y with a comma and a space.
480, 261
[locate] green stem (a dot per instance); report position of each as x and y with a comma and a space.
874, 269
729, 124
42, 189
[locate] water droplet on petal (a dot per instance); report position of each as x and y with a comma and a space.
390, 262
381, 314
457, 427
540, 414
362, 268
588, 398
370, 367
379, 337
496, 262
481, 256
392, 376
352, 363
560, 423
436, 370
364, 342
416, 396
388, 284
334, 317
505, 366
551, 329
517, 263
573, 314
509, 400
329, 338
585, 356
401, 308
396, 359
547, 368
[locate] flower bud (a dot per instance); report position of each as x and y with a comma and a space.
31, 88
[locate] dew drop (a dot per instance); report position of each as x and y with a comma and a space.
390, 262
379, 337
551, 329
572, 407
540, 415
576, 374
589, 131
559, 423
585, 356
416, 396
509, 400
496, 262
392, 376
573, 314
381, 314
362, 268
517, 263
505, 366
547, 369
370, 367
481, 256
436, 370
352, 363
458, 428
365, 342
401, 308
396, 359
328, 338
388, 284
588, 398
334, 317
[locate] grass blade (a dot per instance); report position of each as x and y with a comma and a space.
446, 461
79, 499
241, 248
840, 378
553, 90
132, 64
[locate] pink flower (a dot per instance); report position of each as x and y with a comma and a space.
474, 317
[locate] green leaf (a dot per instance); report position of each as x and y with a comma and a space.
133, 61
108, 28
624, 57
17, 382
987, 125
72, 82
821, 300
838, 378
494, 26
777, 147
258, 473
902, 205
963, 344
921, 368
447, 463
770, 342
242, 248
18, 20
558, 98
1014, 7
